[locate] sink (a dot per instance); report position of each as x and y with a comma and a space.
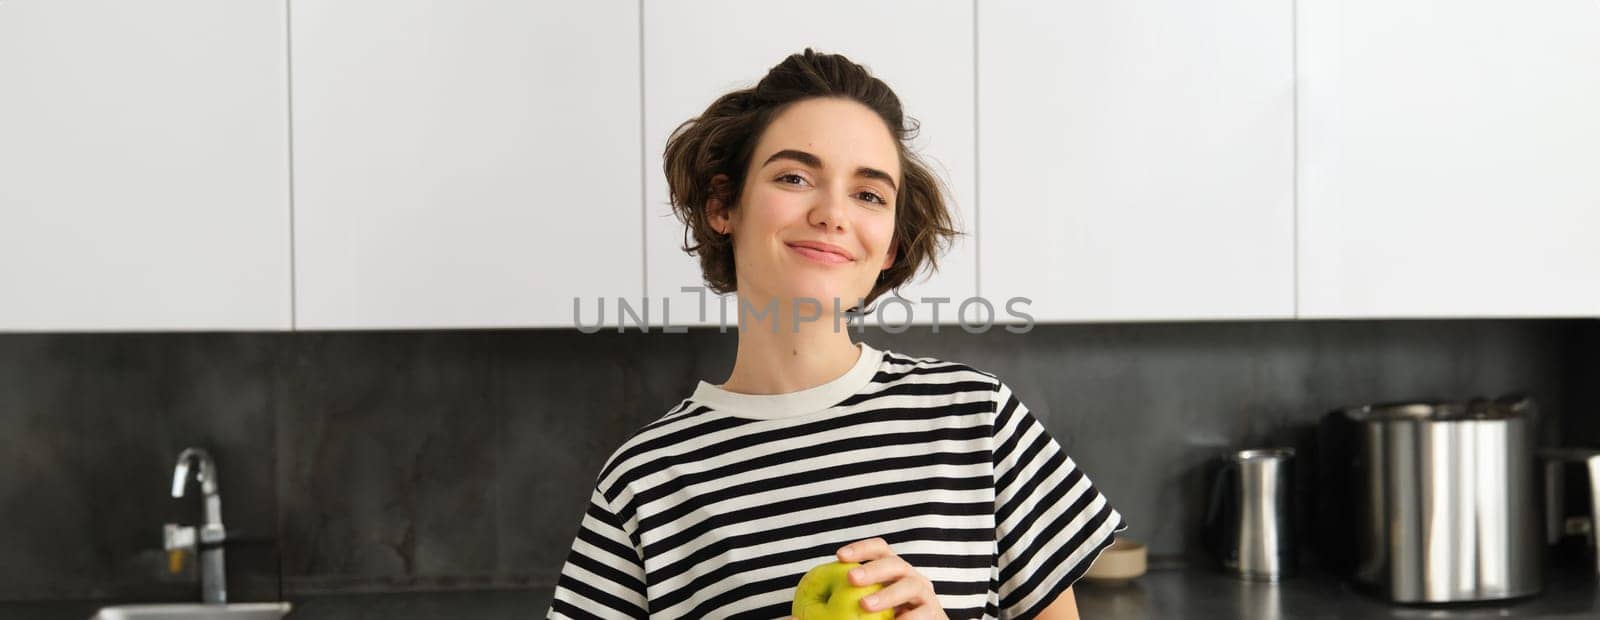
194, 611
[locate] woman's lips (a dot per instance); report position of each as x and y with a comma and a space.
820, 256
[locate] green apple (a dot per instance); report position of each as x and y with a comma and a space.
825, 593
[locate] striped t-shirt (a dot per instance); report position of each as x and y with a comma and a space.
717, 509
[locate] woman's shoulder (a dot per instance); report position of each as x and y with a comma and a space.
900, 365
637, 448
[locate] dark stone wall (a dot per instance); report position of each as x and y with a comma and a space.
462, 460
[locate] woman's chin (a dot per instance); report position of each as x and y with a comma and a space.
805, 288
822, 295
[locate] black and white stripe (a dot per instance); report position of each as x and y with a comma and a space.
713, 512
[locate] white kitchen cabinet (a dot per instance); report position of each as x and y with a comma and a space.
697, 51
1450, 158
1137, 159
472, 164
144, 174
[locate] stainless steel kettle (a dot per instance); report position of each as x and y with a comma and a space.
1250, 517
1572, 506
1435, 501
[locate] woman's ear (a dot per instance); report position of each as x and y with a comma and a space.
717, 214
889, 259
717, 211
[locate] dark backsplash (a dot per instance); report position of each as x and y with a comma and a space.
458, 460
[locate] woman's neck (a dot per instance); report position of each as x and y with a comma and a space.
777, 355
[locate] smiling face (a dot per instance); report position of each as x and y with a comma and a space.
816, 215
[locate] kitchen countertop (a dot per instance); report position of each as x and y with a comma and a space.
1206, 593
465, 605
1161, 593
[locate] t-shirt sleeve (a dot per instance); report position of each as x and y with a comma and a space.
604, 574
1050, 521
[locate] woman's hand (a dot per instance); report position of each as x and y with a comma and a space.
907, 592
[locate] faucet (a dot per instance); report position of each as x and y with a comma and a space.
209, 537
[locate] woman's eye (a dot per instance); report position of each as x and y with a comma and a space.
869, 196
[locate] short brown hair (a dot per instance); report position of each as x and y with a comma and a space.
723, 139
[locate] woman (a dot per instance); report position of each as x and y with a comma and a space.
801, 193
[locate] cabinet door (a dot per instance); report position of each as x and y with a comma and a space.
1136, 159
469, 164
1450, 158
697, 51
144, 177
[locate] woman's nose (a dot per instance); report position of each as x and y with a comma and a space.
828, 211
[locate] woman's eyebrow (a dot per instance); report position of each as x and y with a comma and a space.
815, 162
